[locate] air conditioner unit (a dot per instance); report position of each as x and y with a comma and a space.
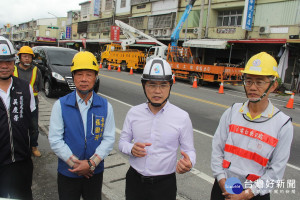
166, 32
83, 35
196, 30
157, 33
264, 30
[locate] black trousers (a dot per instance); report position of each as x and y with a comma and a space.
148, 188
16, 180
34, 129
74, 188
216, 194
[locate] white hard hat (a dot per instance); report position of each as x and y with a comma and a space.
7, 50
157, 69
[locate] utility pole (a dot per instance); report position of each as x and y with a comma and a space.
59, 33
207, 18
201, 19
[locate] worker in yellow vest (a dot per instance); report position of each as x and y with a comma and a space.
27, 71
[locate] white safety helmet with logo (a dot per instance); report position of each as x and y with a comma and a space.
157, 69
262, 64
7, 50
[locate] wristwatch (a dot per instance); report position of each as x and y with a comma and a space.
92, 167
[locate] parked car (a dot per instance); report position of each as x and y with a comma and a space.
55, 64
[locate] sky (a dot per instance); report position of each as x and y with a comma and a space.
19, 11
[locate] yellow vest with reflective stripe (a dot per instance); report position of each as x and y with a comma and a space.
33, 78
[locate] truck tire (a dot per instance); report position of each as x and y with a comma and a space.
124, 66
104, 64
192, 75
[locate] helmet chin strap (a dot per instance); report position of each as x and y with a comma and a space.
263, 95
86, 92
6, 78
156, 104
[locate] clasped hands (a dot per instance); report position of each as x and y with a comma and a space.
82, 168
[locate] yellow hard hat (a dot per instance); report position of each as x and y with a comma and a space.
27, 50
84, 60
261, 64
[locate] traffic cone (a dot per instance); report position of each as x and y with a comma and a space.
100, 66
173, 76
195, 85
119, 69
131, 71
221, 89
290, 102
109, 67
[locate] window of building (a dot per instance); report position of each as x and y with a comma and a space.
123, 3
137, 22
108, 4
85, 9
92, 28
104, 25
47, 33
160, 21
141, 6
230, 18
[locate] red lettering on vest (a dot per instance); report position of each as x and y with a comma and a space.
253, 134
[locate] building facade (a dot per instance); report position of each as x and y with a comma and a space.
227, 31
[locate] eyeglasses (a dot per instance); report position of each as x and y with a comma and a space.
259, 84
154, 86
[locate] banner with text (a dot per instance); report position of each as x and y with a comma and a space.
68, 32
96, 7
248, 15
115, 33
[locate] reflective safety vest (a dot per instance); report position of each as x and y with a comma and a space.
33, 78
250, 144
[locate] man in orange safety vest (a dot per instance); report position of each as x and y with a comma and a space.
27, 71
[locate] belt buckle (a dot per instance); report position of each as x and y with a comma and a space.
147, 179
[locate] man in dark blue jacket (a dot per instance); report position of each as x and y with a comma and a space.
16, 107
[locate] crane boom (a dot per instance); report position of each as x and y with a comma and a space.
175, 34
129, 30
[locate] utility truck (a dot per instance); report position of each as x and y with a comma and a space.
184, 66
116, 54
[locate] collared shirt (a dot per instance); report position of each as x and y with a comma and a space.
267, 113
56, 130
166, 130
6, 97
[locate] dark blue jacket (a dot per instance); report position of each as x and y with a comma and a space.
14, 124
74, 135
